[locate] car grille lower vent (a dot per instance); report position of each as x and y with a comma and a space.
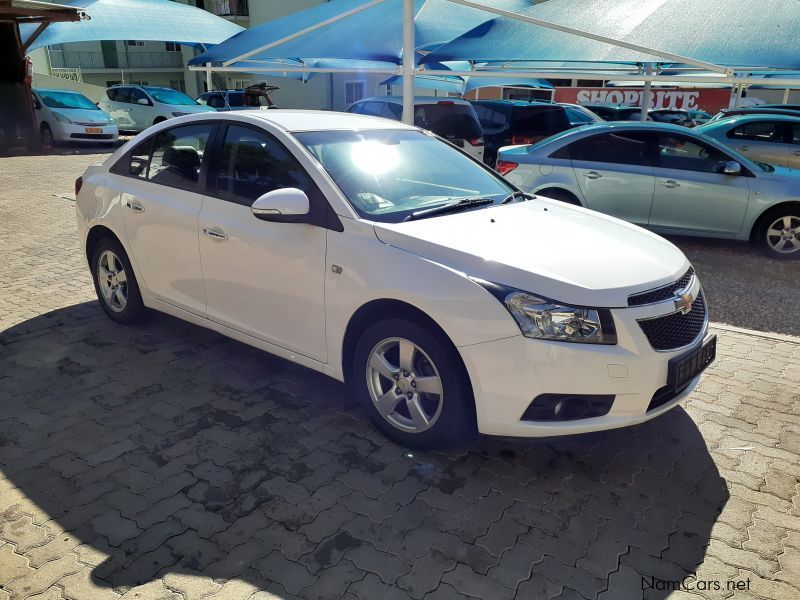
662, 293
677, 329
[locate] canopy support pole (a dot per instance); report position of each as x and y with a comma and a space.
785, 96
409, 50
739, 92
646, 94
209, 80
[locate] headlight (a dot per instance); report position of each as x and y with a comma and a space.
61, 117
544, 319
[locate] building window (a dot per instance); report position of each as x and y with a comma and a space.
354, 91
177, 84
240, 84
134, 43
173, 47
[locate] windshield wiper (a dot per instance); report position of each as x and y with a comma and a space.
455, 206
518, 194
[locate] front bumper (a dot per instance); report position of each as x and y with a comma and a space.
72, 132
507, 375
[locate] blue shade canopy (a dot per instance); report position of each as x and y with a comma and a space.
146, 20
462, 85
374, 34
741, 33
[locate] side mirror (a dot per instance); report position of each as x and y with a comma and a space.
144, 102
286, 205
732, 168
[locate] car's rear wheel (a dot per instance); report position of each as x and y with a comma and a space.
412, 385
115, 283
779, 233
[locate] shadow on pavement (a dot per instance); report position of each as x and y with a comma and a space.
166, 450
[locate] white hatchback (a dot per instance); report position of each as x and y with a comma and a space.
137, 107
375, 253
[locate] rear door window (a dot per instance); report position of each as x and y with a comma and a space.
631, 148
177, 156
216, 101
448, 120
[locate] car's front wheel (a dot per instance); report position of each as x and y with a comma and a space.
779, 233
412, 385
115, 283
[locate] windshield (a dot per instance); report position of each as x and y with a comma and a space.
66, 100
388, 174
170, 96
449, 120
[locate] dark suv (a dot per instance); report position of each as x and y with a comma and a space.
507, 122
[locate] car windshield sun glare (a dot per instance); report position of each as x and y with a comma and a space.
374, 156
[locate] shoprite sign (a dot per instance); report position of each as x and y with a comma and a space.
710, 100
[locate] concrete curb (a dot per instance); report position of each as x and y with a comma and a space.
778, 337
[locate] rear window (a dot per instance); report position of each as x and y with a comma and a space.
539, 121
236, 99
450, 121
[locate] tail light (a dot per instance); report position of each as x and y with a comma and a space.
476, 141
521, 139
78, 185
505, 166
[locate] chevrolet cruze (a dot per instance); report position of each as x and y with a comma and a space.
381, 255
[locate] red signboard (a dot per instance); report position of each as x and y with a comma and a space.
708, 99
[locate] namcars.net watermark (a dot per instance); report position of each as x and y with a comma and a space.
692, 583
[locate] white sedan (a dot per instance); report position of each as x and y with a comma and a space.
378, 254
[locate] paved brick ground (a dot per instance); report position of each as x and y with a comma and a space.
165, 461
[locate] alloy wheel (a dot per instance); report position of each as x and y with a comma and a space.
404, 385
783, 235
113, 281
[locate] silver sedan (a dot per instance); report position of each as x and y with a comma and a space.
666, 178
773, 139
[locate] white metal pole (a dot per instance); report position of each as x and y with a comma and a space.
785, 96
209, 80
646, 94
739, 92
409, 62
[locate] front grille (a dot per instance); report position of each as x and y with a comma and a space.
676, 330
567, 407
662, 293
662, 396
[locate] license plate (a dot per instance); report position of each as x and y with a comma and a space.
94, 130
682, 369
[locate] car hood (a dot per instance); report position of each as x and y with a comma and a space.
84, 116
565, 253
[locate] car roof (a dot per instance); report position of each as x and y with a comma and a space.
749, 118
607, 126
319, 120
517, 102
56, 90
417, 99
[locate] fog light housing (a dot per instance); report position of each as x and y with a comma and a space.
567, 407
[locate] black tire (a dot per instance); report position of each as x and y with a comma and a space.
455, 420
770, 244
133, 310
46, 135
560, 195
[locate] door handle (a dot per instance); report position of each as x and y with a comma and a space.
135, 206
215, 234
592, 175
670, 184
744, 148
